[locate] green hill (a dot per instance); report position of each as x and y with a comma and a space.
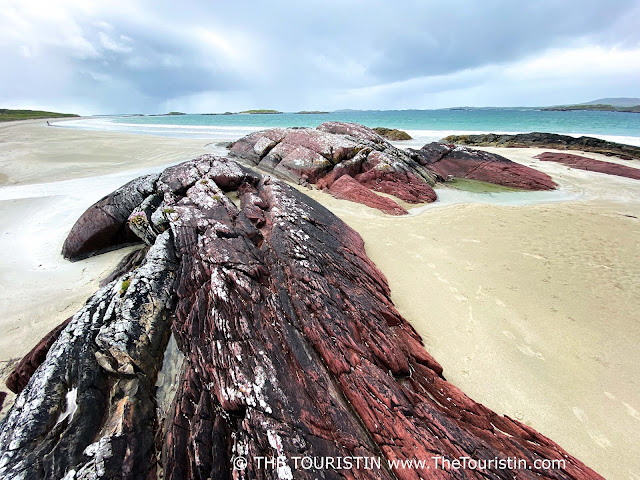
7, 115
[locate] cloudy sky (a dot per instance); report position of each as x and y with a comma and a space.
153, 56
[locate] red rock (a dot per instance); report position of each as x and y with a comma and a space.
256, 145
3, 396
334, 149
103, 226
462, 162
584, 163
403, 185
354, 130
346, 188
21, 374
291, 345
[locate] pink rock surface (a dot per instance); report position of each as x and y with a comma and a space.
347, 188
585, 163
462, 162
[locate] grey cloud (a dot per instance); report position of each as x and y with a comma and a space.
290, 52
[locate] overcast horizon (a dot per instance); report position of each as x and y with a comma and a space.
152, 57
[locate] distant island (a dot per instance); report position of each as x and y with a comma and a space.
259, 112
602, 104
310, 112
7, 115
176, 113
597, 107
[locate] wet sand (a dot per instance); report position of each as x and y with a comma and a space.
531, 309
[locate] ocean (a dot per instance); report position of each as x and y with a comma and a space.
424, 125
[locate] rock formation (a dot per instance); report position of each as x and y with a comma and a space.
461, 162
548, 140
322, 156
286, 345
392, 134
584, 163
32, 360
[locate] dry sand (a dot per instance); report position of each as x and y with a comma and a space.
531, 309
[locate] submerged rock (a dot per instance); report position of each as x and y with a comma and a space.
290, 347
584, 163
548, 140
461, 162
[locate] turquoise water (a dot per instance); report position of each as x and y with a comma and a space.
422, 124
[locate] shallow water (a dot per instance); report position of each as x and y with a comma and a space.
452, 196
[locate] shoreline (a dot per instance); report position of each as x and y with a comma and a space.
469, 266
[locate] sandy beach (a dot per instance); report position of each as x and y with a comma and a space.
530, 303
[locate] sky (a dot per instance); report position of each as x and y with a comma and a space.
154, 56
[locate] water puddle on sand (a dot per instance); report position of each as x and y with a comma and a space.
508, 198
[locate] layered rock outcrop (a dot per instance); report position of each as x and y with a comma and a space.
548, 140
289, 347
584, 163
322, 156
462, 162
21, 374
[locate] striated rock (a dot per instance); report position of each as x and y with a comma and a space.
584, 163
104, 226
347, 188
3, 395
21, 374
291, 348
548, 140
392, 134
449, 160
321, 156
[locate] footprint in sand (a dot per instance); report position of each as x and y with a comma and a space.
631, 411
538, 257
595, 435
530, 352
500, 303
443, 280
508, 334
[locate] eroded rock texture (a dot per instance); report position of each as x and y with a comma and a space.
32, 360
323, 155
289, 344
462, 162
548, 140
584, 163
334, 150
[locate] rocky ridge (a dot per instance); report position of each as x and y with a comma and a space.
286, 341
590, 164
334, 150
548, 140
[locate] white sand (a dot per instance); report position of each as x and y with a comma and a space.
531, 309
